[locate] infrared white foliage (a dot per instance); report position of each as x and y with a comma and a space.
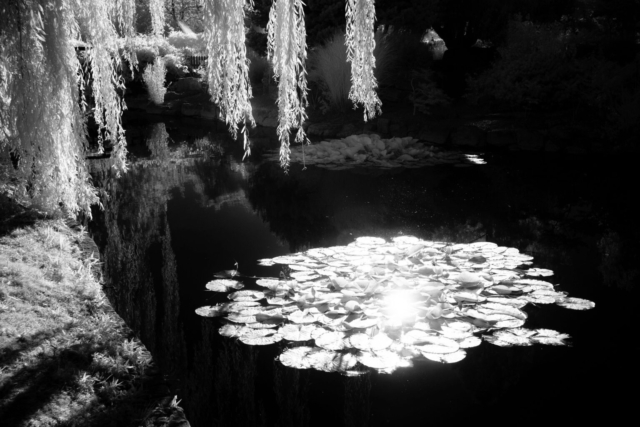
154, 76
156, 10
41, 81
360, 42
228, 67
287, 50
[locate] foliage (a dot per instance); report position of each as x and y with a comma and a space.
533, 67
156, 9
331, 73
154, 76
181, 13
258, 66
66, 356
329, 70
287, 50
374, 152
550, 66
228, 68
42, 79
189, 43
360, 44
426, 94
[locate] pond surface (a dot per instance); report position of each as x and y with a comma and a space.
190, 209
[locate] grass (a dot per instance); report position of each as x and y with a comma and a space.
66, 358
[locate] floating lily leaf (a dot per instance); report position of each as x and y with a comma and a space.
249, 296
296, 357
549, 337
231, 330
576, 303
223, 285
438, 344
367, 343
300, 316
470, 342
331, 340
416, 336
259, 336
380, 359
293, 332
270, 283
454, 357
539, 272
250, 339
212, 310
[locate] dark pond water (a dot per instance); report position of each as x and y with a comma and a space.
187, 211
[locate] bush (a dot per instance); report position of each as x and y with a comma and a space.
189, 44
154, 77
425, 93
330, 73
258, 66
533, 69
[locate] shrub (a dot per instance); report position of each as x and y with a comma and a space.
258, 66
533, 68
175, 67
425, 93
330, 73
188, 43
154, 76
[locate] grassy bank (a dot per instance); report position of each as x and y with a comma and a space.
66, 358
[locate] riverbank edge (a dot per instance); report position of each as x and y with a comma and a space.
66, 357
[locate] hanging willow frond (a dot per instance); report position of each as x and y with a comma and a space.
287, 50
123, 13
156, 9
360, 42
41, 81
228, 67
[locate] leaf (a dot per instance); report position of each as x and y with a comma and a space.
296, 357
437, 344
296, 332
379, 359
260, 337
576, 304
223, 285
332, 340
539, 272
249, 296
212, 310
454, 357
367, 343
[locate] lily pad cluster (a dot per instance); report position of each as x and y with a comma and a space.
373, 151
382, 304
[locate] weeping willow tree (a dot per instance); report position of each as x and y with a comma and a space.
360, 41
228, 67
43, 107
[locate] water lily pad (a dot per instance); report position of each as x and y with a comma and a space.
223, 285
438, 344
246, 296
293, 332
576, 303
539, 272
454, 357
212, 310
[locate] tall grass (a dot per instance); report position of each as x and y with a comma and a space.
331, 73
154, 76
